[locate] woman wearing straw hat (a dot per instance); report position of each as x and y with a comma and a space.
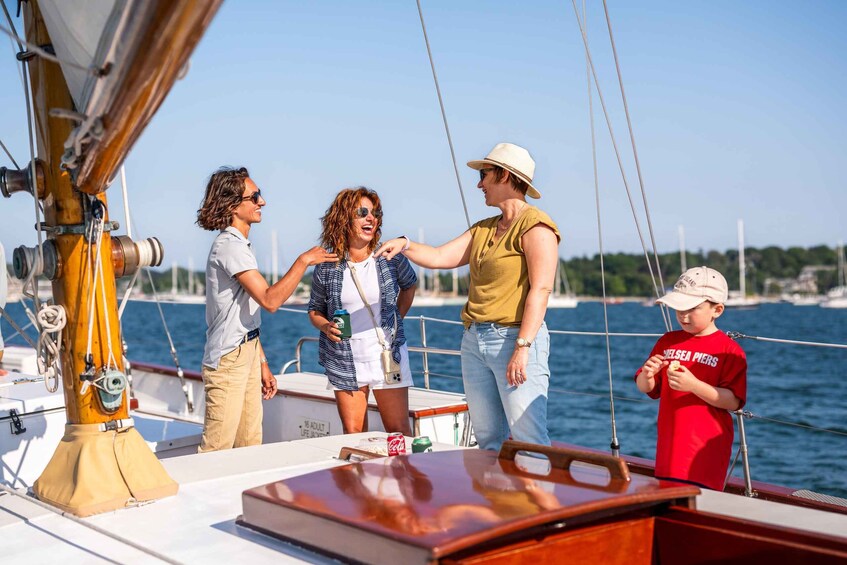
512, 258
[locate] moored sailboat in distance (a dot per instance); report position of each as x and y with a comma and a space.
563, 296
740, 299
837, 297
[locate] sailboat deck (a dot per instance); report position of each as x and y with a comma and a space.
199, 524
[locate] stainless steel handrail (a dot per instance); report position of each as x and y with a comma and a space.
740, 414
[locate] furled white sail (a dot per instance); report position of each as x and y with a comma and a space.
77, 30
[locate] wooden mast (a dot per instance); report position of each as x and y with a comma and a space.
63, 206
102, 463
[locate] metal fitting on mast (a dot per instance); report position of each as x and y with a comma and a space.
14, 180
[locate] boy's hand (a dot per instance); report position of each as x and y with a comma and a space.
682, 379
653, 365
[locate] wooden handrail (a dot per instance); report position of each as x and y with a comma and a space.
562, 457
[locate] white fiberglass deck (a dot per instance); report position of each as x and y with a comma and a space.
199, 524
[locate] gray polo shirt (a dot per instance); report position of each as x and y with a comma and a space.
230, 311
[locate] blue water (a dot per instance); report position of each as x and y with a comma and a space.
806, 386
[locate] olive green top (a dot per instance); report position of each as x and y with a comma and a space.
499, 277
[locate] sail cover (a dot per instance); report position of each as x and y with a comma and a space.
83, 35
119, 60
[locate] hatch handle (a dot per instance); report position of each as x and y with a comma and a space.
562, 457
16, 425
353, 454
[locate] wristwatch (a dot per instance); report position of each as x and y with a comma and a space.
521, 342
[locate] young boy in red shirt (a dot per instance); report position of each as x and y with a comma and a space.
697, 373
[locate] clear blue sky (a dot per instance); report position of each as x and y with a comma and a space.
738, 110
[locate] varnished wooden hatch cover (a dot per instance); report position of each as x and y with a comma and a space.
421, 507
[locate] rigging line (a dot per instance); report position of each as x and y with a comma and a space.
33, 173
18, 329
634, 150
93, 71
615, 444
795, 424
14, 35
444, 116
739, 335
595, 334
12, 159
618, 156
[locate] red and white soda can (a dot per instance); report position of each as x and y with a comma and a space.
396, 444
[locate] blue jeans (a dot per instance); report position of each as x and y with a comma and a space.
496, 408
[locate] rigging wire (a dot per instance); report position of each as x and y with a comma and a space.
619, 160
444, 116
614, 444
637, 161
12, 159
18, 330
44, 54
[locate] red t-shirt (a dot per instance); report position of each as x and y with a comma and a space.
694, 440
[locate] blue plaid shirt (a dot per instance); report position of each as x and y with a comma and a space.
336, 357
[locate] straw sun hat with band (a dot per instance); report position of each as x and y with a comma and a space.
514, 159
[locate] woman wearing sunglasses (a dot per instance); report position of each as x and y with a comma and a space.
513, 258
377, 293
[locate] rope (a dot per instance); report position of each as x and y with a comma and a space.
619, 160
444, 115
51, 321
665, 313
179, 371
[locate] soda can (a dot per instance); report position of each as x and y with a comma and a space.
341, 318
421, 444
396, 444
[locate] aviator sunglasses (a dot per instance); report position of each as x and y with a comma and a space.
254, 197
362, 212
483, 172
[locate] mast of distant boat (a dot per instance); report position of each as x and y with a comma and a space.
742, 271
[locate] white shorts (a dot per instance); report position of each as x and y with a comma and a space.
369, 369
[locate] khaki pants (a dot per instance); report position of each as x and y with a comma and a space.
233, 400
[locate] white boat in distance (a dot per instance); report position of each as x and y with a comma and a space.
560, 298
739, 299
837, 297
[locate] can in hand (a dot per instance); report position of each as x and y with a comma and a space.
421, 444
396, 444
341, 319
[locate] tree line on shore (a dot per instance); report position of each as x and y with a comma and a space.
627, 274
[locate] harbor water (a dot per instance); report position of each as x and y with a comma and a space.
797, 394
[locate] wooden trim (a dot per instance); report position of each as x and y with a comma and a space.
722, 537
764, 491
168, 371
160, 54
195, 376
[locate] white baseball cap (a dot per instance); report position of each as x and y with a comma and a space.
694, 287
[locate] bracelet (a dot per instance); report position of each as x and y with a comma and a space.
408, 243
264, 361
